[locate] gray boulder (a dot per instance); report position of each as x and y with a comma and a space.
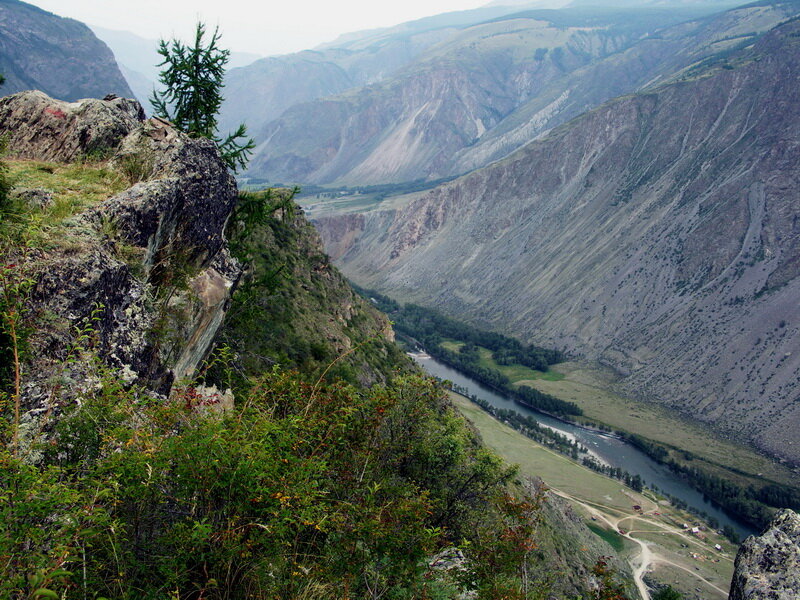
42, 128
768, 566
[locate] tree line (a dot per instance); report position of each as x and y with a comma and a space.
753, 505
430, 329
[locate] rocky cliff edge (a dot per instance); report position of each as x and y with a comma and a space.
768, 566
147, 272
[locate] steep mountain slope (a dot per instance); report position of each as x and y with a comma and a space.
409, 126
261, 92
657, 233
487, 89
296, 310
663, 56
62, 57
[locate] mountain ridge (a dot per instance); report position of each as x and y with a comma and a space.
62, 57
663, 235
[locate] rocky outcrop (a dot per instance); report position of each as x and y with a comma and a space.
152, 276
42, 128
62, 57
656, 234
768, 566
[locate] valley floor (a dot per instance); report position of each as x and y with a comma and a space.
653, 539
592, 388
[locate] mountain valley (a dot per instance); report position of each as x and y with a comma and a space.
660, 242
503, 306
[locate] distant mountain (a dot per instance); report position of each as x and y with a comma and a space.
138, 59
61, 57
472, 95
261, 92
658, 234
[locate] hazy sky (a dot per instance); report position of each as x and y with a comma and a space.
251, 26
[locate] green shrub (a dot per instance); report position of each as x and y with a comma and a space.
5, 185
300, 490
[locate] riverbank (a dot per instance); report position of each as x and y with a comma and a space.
615, 453
749, 486
593, 389
656, 545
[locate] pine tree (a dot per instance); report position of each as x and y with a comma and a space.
192, 96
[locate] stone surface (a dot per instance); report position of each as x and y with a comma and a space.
62, 57
34, 196
768, 566
151, 277
42, 128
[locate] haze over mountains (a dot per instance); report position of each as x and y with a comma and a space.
657, 234
138, 59
442, 96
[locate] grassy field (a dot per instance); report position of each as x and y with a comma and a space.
534, 460
686, 562
74, 188
592, 390
615, 540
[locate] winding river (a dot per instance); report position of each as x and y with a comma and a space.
611, 450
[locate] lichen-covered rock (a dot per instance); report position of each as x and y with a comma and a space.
42, 128
179, 213
150, 277
38, 197
768, 566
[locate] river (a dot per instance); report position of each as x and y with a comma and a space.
611, 450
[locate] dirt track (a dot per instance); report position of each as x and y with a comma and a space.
641, 562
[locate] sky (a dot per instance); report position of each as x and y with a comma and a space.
264, 28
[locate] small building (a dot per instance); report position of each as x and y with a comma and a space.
717, 547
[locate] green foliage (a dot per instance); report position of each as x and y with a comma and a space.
667, 593
299, 490
430, 328
138, 166
5, 185
608, 585
614, 539
293, 308
754, 505
193, 80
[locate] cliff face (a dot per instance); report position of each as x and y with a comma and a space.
150, 271
768, 566
657, 234
147, 272
295, 308
61, 57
